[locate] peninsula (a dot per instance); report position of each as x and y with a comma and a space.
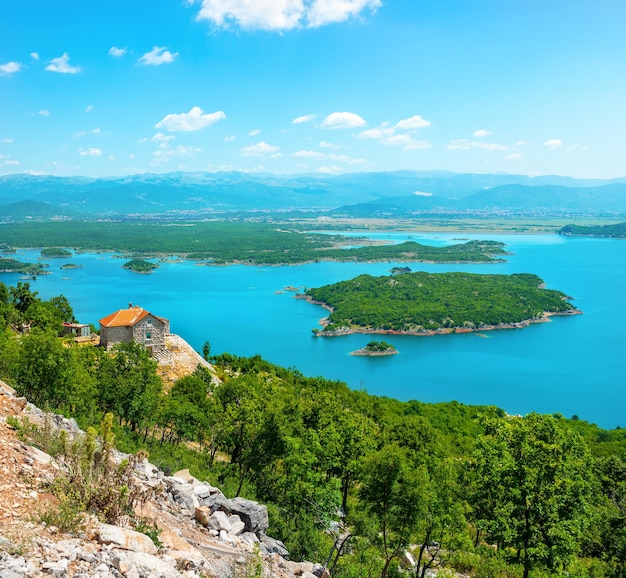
250, 243
15, 266
427, 304
616, 231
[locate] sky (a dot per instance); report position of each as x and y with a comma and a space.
313, 86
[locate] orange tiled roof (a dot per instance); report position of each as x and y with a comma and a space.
124, 317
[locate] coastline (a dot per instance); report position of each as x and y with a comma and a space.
545, 318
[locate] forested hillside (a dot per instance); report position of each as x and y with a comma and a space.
614, 231
352, 481
421, 302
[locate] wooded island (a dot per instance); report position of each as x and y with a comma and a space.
425, 303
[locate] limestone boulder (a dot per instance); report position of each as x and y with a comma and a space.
252, 514
125, 538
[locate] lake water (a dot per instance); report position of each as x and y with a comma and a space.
573, 365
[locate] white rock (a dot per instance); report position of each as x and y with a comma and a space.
125, 538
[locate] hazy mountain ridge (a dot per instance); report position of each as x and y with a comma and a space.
388, 193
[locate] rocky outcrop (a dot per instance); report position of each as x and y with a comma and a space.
201, 532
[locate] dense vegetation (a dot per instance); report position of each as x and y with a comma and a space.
55, 252
379, 346
231, 242
140, 266
618, 230
351, 480
422, 301
375, 348
15, 266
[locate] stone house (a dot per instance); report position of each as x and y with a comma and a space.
134, 325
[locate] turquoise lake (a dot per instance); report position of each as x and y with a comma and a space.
573, 365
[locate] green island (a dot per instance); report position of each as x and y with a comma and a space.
71, 266
376, 349
218, 243
350, 480
429, 303
617, 230
140, 266
55, 252
15, 266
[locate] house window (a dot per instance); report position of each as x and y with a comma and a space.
148, 334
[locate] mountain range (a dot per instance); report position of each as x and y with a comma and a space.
389, 194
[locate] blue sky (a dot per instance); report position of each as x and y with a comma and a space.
313, 86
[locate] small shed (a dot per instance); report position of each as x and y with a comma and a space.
77, 329
134, 325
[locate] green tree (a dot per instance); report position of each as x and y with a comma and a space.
22, 297
541, 504
129, 385
391, 493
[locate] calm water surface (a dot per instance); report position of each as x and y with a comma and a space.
573, 365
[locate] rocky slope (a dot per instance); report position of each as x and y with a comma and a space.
202, 533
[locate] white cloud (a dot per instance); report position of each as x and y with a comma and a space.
43, 112
165, 153
11, 162
330, 170
413, 123
89, 152
190, 121
117, 52
7, 140
34, 55
95, 131
463, 144
9, 68
62, 65
254, 132
383, 131
89, 108
253, 14
303, 118
346, 159
281, 14
554, 143
230, 138
260, 149
328, 145
157, 56
309, 155
160, 137
481, 133
323, 12
342, 120
513, 157
415, 145
111, 157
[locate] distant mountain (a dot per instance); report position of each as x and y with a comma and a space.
181, 194
607, 200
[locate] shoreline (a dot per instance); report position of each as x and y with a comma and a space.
545, 318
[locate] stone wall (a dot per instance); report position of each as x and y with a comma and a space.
150, 332
109, 336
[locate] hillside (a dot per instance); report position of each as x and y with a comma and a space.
201, 533
616, 231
